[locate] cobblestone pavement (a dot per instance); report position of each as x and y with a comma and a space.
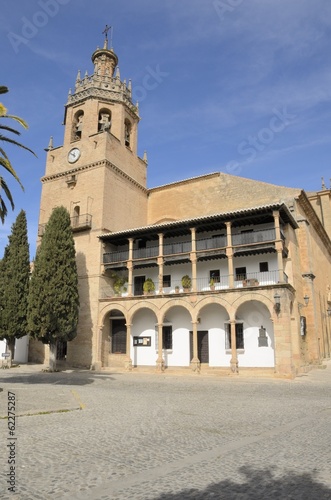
86, 435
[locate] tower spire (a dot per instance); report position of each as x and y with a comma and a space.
105, 60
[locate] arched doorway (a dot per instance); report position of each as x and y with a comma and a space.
114, 339
212, 326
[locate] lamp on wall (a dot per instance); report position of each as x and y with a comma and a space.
306, 299
277, 303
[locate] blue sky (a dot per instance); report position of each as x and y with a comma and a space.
238, 86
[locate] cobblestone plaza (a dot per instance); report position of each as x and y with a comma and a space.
87, 435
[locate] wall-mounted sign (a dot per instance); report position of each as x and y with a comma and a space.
142, 341
262, 338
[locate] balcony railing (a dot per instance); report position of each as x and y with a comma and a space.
145, 253
117, 256
81, 222
78, 223
211, 243
203, 284
254, 237
176, 248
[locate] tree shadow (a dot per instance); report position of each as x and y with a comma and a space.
77, 377
260, 484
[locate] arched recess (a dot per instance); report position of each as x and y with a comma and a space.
255, 335
143, 344
76, 214
104, 120
176, 326
77, 125
213, 320
113, 338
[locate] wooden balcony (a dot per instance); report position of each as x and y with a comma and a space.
244, 243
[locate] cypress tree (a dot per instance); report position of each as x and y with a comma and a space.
53, 297
14, 289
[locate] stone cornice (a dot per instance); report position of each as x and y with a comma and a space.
314, 220
104, 94
90, 166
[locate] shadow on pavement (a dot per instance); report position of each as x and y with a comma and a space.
259, 485
83, 377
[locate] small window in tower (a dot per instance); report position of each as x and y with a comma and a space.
127, 133
78, 126
104, 122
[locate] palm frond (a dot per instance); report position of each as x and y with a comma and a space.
3, 207
5, 163
8, 129
12, 141
17, 119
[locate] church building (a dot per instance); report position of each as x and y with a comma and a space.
215, 273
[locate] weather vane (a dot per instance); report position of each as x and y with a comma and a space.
105, 32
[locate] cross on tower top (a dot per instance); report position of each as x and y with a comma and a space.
105, 31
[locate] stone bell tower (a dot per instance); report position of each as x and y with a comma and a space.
99, 178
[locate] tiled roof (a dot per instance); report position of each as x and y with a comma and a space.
206, 218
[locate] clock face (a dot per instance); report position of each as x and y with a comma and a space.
73, 155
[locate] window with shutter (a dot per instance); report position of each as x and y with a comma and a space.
239, 336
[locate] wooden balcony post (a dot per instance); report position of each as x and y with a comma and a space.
160, 261
193, 257
278, 246
129, 266
229, 254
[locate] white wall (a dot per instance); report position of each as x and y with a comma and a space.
254, 315
21, 350
143, 325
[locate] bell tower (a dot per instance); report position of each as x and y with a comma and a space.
97, 175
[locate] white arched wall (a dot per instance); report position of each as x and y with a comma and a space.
144, 325
212, 317
180, 320
254, 314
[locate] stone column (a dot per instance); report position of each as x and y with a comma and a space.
130, 267
229, 254
234, 357
195, 362
128, 360
97, 362
193, 257
310, 311
160, 361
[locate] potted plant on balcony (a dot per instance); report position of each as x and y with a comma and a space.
148, 286
118, 283
212, 284
177, 289
186, 283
